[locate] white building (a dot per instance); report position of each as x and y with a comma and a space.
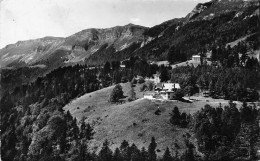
196, 58
149, 96
159, 63
171, 86
167, 90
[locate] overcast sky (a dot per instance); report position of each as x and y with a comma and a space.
30, 19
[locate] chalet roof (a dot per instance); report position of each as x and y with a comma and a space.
196, 56
170, 86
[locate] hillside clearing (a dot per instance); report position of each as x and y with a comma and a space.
188, 63
134, 121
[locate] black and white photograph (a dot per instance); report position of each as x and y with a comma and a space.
130, 80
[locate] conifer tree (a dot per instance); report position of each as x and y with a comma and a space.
75, 129
117, 156
135, 153
132, 94
151, 150
116, 94
167, 155
175, 116
86, 131
83, 151
144, 154
125, 150
107, 68
189, 154
124, 145
105, 153
164, 75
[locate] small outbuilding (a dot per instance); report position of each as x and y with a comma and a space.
196, 58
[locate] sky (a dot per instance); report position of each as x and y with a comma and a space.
31, 19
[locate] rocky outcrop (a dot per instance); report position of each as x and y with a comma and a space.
198, 9
215, 8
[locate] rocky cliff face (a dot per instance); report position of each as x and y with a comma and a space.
198, 9
28, 52
215, 8
76, 47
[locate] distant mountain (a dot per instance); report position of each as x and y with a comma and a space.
73, 49
213, 23
30, 51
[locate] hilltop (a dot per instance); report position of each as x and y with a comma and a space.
134, 121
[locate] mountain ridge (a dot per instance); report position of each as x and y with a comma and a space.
97, 45
31, 51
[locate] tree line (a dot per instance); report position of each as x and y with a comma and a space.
222, 133
235, 83
227, 133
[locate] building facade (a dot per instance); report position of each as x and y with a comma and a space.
196, 58
167, 90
